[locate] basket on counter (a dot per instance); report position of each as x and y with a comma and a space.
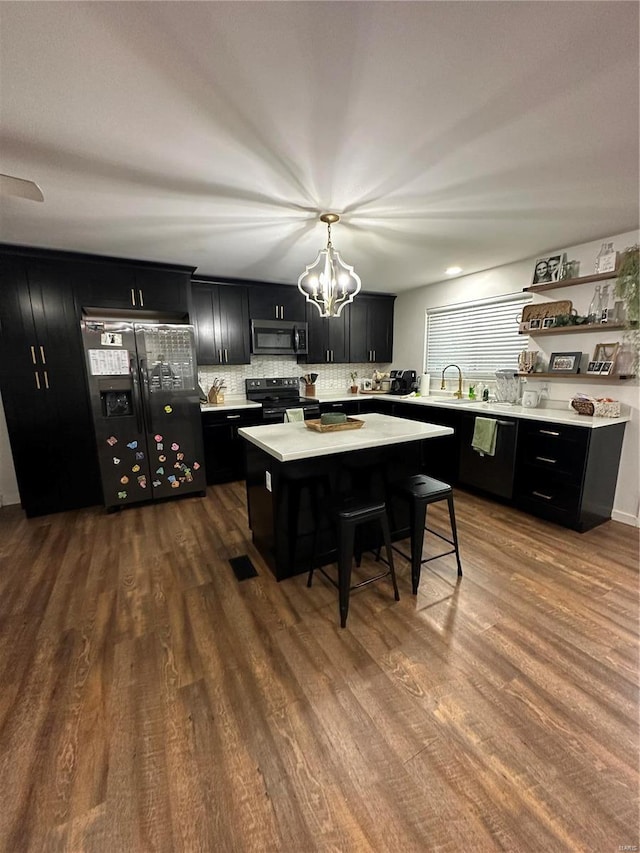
318, 426
596, 408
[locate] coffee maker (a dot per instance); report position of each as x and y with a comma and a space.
403, 381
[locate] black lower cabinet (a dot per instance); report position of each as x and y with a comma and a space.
349, 407
223, 449
568, 474
441, 454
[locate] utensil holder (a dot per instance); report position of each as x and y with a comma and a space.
309, 390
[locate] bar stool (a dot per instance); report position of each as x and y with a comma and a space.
349, 515
421, 491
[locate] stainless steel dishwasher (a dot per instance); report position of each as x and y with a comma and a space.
493, 474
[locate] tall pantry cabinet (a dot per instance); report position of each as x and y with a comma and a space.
43, 386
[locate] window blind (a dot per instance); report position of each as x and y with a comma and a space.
480, 337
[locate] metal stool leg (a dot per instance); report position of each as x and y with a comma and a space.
344, 570
454, 532
384, 521
418, 521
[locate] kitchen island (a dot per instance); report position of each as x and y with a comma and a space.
288, 464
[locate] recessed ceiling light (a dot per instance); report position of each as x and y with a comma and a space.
453, 270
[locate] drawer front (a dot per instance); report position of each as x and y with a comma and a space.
549, 492
232, 417
552, 448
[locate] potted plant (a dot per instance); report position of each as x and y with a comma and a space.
628, 290
354, 385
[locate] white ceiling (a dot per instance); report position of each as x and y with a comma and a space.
213, 134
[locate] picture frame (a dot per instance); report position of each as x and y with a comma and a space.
548, 322
535, 323
607, 368
546, 270
594, 368
565, 362
367, 385
606, 352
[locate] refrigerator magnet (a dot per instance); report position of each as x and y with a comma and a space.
135, 469
175, 485
168, 409
175, 446
122, 496
180, 457
159, 446
171, 478
196, 465
157, 438
162, 458
132, 445
112, 440
160, 470
142, 481
124, 480
139, 455
116, 461
156, 484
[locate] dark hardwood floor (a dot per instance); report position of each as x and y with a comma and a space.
150, 701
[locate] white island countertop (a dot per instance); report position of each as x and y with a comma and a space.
288, 442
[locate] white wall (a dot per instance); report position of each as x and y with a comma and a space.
409, 344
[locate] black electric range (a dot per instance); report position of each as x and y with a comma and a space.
279, 394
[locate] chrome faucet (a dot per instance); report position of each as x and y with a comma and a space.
457, 393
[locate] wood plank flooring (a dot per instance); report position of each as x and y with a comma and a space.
150, 701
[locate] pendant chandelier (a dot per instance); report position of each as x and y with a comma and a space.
329, 283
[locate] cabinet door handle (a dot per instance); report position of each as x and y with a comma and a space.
33, 354
546, 459
232, 417
549, 432
133, 297
141, 298
542, 495
332, 356
46, 380
35, 373
226, 356
42, 356
374, 355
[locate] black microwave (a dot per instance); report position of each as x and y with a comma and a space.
278, 337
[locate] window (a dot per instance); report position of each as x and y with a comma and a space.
480, 337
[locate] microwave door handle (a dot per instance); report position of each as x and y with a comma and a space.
296, 340
137, 400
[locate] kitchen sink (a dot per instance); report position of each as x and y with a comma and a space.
448, 400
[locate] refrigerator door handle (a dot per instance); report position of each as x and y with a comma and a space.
136, 392
146, 402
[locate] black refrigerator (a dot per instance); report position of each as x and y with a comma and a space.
146, 410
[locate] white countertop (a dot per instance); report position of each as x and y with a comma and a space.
230, 402
557, 416
288, 442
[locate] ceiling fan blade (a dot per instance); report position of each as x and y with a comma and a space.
20, 187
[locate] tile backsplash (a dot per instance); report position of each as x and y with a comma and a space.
331, 377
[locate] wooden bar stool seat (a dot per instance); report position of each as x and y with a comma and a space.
348, 516
421, 491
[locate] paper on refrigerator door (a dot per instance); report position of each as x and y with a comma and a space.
109, 362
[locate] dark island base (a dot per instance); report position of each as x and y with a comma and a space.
280, 504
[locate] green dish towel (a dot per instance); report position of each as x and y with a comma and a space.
484, 436
294, 415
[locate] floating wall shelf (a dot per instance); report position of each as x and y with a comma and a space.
571, 282
579, 376
585, 327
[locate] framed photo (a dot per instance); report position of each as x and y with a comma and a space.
607, 368
548, 269
366, 385
548, 322
535, 323
606, 352
565, 362
594, 368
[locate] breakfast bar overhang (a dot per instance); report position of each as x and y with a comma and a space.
293, 474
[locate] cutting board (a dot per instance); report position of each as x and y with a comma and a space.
540, 310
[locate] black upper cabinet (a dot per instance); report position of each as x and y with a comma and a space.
328, 337
43, 387
371, 337
220, 314
105, 284
276, 302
